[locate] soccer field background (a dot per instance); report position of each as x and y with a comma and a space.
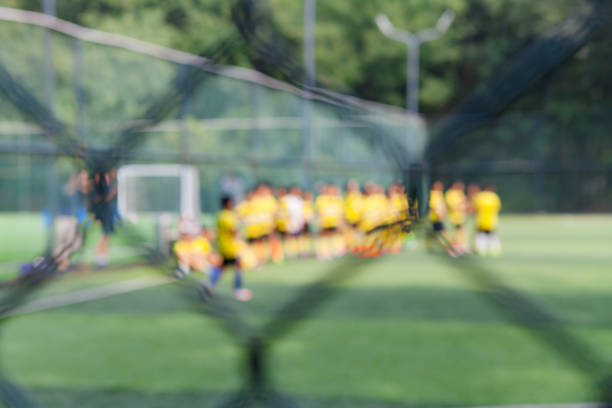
408, 330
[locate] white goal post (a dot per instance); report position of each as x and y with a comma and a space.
163, 192
130, 202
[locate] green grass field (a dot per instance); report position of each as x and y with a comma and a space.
409, 330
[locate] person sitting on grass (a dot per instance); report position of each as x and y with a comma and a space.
193, 250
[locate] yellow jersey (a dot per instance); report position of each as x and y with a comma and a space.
399, 207
308, 210
266, 207
282, 216
353, 207
330, 210
487, 205
227, 227
457, 206
251, 219
436, 205
375, 212
196, 245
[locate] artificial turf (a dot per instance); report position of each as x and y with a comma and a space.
405, 330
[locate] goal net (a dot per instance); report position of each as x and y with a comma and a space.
159, 194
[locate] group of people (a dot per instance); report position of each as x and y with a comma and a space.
288, 223
274, 225
454, 207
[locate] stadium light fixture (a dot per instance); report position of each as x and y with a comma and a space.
413, 43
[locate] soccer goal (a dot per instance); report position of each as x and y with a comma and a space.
161, 194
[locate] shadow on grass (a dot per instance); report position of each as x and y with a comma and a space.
94, 398
405, 303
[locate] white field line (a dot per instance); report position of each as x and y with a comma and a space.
86, 295
564, 405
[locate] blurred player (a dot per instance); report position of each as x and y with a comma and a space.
338, 241
398, 216
413, 215
330, 213
271, 209
437, 214
472, 192
263, 221
305, 240
229, 245
193, 250
353, 208
374, 215
457, 205
253, 227
267, 206
487, 204
294, 206
104, 207
71, 213
282, 223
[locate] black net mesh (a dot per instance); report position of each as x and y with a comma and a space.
72, 103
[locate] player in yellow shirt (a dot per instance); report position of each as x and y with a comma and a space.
282, 215
398, 217
282, 223
457, 205
353, 208
487, 205
437, 215
247, 211
437, 207
413, 216
229, 244
193, 250
375, 214
374, 208
263, 207
305, 239
267, 206
330, 214
472, 192
253, 227
399, 201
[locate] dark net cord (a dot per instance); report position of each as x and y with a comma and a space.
16, 292
517, 75
257, 341
271, 52
536, 319
98, 162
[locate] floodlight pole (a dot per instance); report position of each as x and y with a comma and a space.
413, 43
310, 13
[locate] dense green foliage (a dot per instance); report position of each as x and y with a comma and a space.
352, 53
408, 331
561, 118
353, 56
